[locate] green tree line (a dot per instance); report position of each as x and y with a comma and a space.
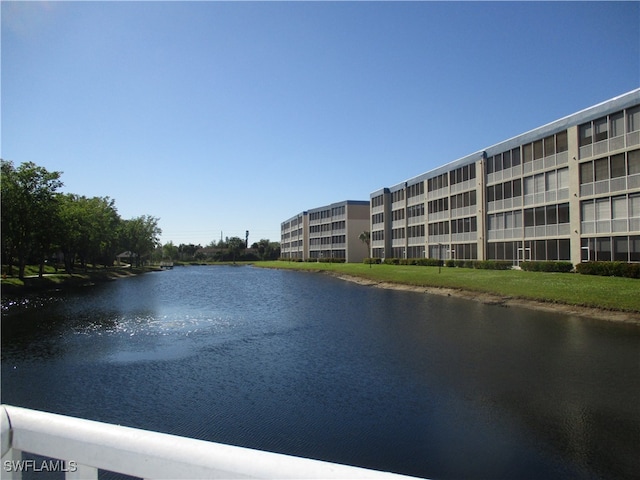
39, 223
230, 249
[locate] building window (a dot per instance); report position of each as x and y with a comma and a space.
397, 196
634, 206
464, 225
603, 249
550, 183
415, 190
507, 190
440, 205
623, 249
538, 181
416, 231
634, 249
438, 182
633, 119
617, 124
618, 167
439, 228
586, 173
562, 144
497, 161
397, 233
588, 211
515, 157
601, 131
563, 213
603, 210
552, 214
528, 217
549, 146
539, 216
564, 249
528, 186
563, 178
585, 134
619, 207
537, 150
506, 159
517, 188
601, 169
633, 160
527, 153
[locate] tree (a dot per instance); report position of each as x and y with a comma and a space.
187, 252
266, 249
235, 245
89, 230
140, 236
365, 237
170, 251
29, 211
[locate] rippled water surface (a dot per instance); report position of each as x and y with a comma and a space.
310, 365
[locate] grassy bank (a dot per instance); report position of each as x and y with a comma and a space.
609, 293
53, 279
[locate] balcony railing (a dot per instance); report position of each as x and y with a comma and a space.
87, 446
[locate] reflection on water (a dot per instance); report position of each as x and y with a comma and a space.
309, 365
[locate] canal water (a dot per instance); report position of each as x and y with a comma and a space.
310, 365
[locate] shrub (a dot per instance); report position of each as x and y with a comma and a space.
550, 266
450, 263
609, 269
333, 260
493, 264
325, 260
392, 261
374, 261
428, 262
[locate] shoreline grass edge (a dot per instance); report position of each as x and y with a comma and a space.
589, 295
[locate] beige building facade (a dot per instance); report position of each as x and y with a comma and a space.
294, 237
328, 232
569, 190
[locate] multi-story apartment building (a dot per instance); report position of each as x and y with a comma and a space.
294, 237
569, 190
331, 231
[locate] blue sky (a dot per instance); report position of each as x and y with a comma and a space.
225, 116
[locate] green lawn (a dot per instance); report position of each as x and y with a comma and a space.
612, 293
52, 279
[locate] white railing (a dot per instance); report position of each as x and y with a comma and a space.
86, 446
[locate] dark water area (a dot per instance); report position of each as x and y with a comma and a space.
309, 365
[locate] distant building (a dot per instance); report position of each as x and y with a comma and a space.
569, 190
294, 237
331, 231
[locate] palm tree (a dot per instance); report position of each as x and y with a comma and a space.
365, 237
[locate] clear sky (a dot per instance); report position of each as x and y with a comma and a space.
225, 116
